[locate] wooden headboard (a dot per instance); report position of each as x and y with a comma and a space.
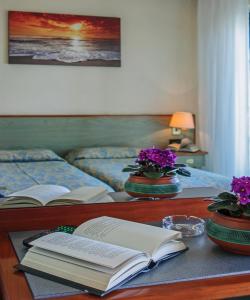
63, 133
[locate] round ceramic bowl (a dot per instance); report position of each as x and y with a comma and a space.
231, 234
143, 187
189, 226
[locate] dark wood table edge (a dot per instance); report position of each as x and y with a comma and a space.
32, 218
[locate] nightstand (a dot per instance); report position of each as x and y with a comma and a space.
192, 159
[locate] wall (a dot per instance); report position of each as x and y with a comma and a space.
158, 73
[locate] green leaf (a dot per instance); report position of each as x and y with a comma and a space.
127, 169
152, 175
180, 165
133, 166
235, 213
216, 199
183, 172
150, 169
167, 169
227, 196
170, 171
225, 204
246, 210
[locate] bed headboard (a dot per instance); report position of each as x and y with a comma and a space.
63, 133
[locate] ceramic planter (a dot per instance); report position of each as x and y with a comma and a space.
230, 233
143, 187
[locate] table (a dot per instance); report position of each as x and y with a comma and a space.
13, 284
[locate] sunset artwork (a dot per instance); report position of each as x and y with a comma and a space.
62, 39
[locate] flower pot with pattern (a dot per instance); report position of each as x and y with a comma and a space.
230, 233
144, 187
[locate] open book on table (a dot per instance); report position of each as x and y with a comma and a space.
49, 194
101, 254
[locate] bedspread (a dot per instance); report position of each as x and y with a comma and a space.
15, 176
109, 170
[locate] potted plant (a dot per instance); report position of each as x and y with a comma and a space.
230, 225
154, 174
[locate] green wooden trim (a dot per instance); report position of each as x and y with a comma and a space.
228, 234
62, 134
152, 189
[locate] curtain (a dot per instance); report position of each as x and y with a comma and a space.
223, 108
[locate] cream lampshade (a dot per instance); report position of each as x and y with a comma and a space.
181, 120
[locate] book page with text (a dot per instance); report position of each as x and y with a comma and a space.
85, 194
43, 193
128, 234
100, 253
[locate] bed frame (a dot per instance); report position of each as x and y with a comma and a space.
62, 133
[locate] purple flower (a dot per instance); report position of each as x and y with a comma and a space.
157, 157
241, 187
244, 200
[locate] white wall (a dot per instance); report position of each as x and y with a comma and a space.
158, 73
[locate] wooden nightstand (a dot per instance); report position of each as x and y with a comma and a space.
192, 159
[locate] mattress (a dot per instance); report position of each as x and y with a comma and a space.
109, 170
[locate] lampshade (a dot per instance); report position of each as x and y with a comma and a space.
182, 120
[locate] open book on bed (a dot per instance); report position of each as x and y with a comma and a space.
49, 194
101, 254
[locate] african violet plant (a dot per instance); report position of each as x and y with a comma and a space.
234, 204
155, 163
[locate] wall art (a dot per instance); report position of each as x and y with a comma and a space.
63, 39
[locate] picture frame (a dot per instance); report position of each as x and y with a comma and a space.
63, 39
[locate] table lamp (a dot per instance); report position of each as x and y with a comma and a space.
181, 121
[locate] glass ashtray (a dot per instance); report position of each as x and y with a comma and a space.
189, 226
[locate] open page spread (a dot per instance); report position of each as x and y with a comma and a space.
48, 194
44, 193
96, 252
128, 234
88, 262
85, 194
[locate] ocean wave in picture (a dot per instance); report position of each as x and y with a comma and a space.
67, 51
72, 57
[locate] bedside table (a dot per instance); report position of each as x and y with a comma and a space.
192, 159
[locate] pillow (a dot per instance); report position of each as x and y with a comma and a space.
102, 152
28, 155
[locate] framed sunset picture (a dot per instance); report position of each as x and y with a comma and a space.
62, 39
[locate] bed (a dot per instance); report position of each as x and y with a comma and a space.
106, 163
61, 134
23, 168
